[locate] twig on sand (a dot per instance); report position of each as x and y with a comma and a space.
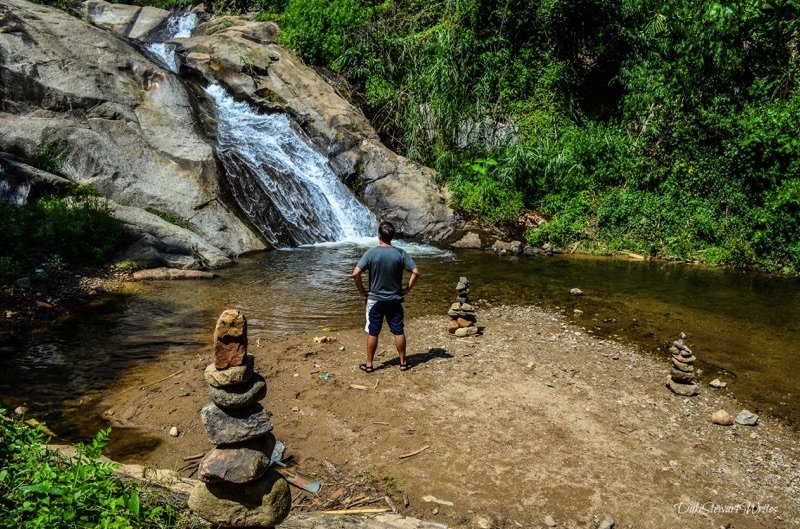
176, 373
196, 456
390, 503
415, 452
368, 510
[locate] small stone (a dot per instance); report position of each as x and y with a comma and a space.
241, 395
674, 350
435, 510
576, 291
682, 377
747, 418
174, 431
466, 307
577, 312
237, 464
682, 336
466, 331
234, 426
717, 383
549, 522
680, 366
615, 356
230, 339
684, 390
686, 359
341, 348
465, 322
220, 378
19, 411
722, 418
608, 523
453, 326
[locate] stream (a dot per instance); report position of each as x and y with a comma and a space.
743, 328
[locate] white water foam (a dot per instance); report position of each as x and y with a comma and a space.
313, 204
179, 27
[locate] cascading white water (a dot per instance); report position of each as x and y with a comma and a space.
179, 27
281, 182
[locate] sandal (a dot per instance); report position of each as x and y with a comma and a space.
405, 367
366, 369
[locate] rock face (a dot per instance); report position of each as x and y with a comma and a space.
242, 55
123, 125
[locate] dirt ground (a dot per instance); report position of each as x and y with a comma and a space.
534, 418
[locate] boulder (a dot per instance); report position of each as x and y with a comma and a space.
234, 464
231, 376
234, 426
230, 339
265, 502
121, 123
469, 240
239, 396
20, 183
507, 248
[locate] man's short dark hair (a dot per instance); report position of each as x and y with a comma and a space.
386, 231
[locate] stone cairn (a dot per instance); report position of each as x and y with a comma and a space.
239, 487
681, 377
462, 314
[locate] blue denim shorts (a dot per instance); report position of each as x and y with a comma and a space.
377, 311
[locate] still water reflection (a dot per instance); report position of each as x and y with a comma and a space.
745, 325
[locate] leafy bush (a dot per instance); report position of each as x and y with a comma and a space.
77, 229
41, 488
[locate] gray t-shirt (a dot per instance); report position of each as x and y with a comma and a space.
385, 265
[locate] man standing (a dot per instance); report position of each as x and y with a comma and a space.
385, 264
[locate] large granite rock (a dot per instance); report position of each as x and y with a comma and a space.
234, 426
243, 56
262, 503
123, 125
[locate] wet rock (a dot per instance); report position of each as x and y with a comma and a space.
234, 426
233, 464
241, 395
717, 383
230, 339
531, 251
722, 418
262, 503
507, 248
219, 378
747, 418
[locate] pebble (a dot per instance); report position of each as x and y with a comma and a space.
435, 510
722, 418
19, 411
607, 523
174, 431
615, 356
549, 522
576, 292
341, 348
747, 418
717, 383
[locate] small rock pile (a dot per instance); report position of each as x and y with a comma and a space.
681, 376
239, 487
462, 314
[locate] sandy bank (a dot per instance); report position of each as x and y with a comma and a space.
535, 418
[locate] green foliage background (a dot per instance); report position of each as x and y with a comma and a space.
664, 127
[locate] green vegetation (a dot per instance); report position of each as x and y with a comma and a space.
168, 217
77, 229
130, 267
41, 488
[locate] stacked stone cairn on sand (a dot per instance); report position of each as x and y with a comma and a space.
239, 487
462, 314
681, 376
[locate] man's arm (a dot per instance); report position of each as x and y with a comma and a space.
359, 284
413, 281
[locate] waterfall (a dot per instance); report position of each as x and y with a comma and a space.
281, 182
179, 27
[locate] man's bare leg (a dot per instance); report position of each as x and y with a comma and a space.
372, 346
400, 344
